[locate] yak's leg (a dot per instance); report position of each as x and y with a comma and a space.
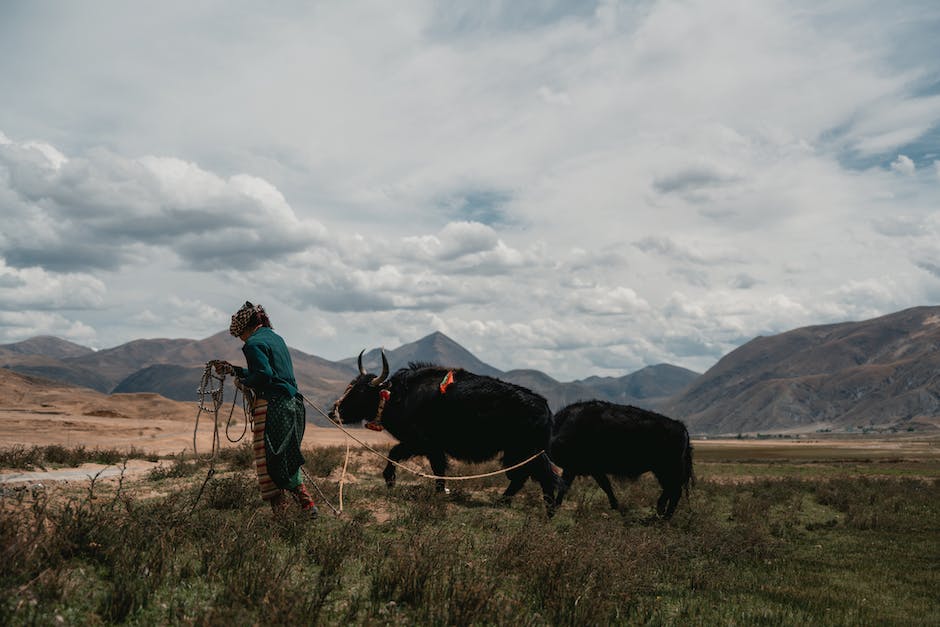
604, 483
398, 453
672, 492
567, 478
668, 500
517, 477
439, 466
541, 470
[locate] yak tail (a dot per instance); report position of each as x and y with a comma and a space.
688, 474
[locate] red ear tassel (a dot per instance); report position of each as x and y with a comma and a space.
448, 380
385, 395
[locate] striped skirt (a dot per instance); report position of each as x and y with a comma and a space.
259, 412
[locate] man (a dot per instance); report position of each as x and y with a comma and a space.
277, 409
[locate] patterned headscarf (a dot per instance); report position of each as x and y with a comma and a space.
244, 316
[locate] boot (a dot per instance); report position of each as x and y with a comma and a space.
303, 498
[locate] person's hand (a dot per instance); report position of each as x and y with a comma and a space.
223, 367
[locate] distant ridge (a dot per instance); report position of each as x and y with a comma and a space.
879, 374
882, 373
47, 346
434, 348
173, 367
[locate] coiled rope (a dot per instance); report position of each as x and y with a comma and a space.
212, 387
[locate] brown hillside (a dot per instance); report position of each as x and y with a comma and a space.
880, 373
35, 411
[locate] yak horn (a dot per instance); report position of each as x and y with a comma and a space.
379, 379
361, 369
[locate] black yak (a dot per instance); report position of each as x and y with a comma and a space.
597, 438
439, 412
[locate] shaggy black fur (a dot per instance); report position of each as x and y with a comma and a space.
597, 438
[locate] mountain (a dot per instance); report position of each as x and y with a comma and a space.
879, 373
435, 348
57, 370
46, 345
174, 369
557, 394
179, 383
116, 364
648, 387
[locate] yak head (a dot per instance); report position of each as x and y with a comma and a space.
361, 399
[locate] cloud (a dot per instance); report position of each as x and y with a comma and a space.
35, 289
455, 240
104, 211
608, 301
903, 165
687, 253
19, 325
692, 179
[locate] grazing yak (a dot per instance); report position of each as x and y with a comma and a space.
597, 438
438, 412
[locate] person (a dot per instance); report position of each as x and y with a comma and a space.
277, 409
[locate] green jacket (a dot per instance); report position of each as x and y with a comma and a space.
270, 371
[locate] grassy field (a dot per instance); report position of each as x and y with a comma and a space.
820, 533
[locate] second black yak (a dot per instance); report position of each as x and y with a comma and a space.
598, 438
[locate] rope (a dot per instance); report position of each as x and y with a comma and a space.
415, 471
208, 388
322, 495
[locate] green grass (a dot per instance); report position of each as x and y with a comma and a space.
785, 548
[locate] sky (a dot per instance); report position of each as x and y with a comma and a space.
584, 188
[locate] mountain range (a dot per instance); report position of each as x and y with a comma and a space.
174, 368
880, 374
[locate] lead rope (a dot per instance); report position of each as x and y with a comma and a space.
415, 471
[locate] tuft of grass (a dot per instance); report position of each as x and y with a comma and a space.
56, 455
320, 462
238, 457
182, 466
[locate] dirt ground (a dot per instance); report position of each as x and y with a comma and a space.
34, 412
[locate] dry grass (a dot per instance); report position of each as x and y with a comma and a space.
857, 548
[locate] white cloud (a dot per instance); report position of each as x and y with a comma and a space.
98, 211
903, 165
35, 289
16, 326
